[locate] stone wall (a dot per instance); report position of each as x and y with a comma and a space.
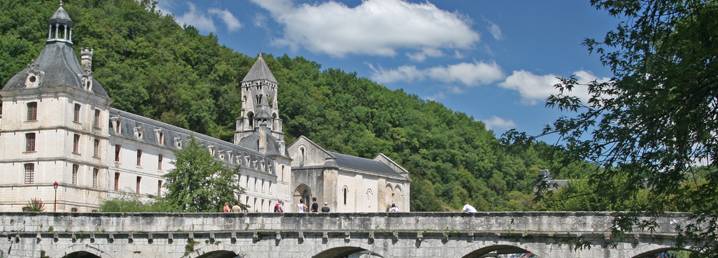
546, 234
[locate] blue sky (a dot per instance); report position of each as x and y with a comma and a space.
493, 60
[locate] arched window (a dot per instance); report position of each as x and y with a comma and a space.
250, 117
301, 161
344, 193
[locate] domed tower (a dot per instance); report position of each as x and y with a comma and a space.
54, 128
259, 104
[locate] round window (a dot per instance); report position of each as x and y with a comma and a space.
32, 78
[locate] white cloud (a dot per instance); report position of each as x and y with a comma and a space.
534, 88
421, 55
197, 19
495, 30
227, 17
467, 74
260, 21
496, 122
439, 96
374, 27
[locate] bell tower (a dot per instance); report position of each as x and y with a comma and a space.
259, 103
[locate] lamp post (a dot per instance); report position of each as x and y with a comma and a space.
55, 185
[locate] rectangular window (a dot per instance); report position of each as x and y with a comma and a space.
95, 175
137, 185
159, 188
117, 181
75, 169
76, 144
76, 116
29, 142
32, 111
117, 152
96, 149
29, 173
96, 123
139, 158
159, 162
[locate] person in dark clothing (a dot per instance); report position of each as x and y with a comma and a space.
315, 205
325, 208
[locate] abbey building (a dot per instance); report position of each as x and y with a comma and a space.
62, 142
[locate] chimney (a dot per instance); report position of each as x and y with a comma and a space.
86, 60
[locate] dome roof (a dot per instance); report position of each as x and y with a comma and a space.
56, 67
61, 16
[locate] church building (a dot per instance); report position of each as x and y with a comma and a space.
62, 142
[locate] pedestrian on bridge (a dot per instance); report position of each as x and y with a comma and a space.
468, 209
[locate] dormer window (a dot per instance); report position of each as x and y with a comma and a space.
178, 142
32, 80
138, 132
160, 135
116, 125
210, 148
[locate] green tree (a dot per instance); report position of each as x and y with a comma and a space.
656, 120
199, 183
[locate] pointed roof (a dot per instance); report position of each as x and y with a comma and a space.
259, 71
61, 16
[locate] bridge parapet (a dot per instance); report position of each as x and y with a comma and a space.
536, 222
396, 234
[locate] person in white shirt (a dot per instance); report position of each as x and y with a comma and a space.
469, 209
301, 208
393, 208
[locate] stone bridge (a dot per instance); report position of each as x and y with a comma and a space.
330, 235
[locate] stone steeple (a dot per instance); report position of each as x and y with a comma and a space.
259, 103
259, 71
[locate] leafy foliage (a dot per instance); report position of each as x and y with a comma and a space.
153, 67
34, 205
652, 129
199, 182
129, 204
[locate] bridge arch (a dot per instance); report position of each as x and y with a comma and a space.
81, 254
668, 252
500, 249
346, 251
83, 251
219, 254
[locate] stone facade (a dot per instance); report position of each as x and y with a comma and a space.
347, 183
388, 235
58, 126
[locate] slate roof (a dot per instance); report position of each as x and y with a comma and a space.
173, 134
60, 67
363, 164
259, 71
61, 16
251, 142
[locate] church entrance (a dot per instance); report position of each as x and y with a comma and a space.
302, 192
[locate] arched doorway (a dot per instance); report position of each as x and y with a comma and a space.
219, 254
501, 251
666, 253
302, 192
80, 254
347, 252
